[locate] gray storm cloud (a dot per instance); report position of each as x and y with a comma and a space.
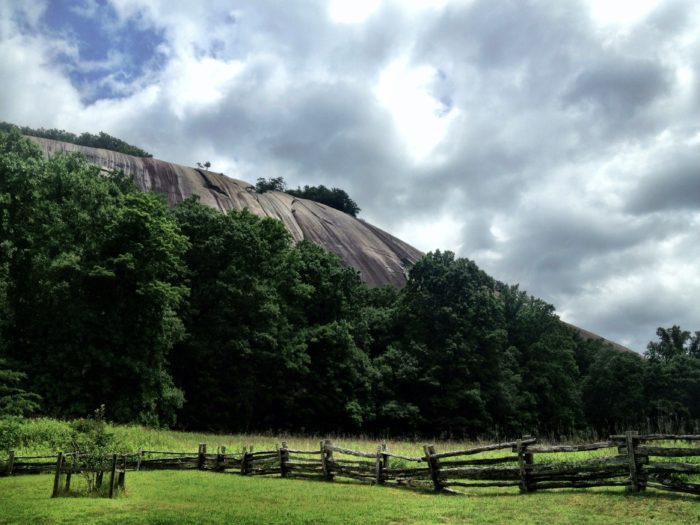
566, 152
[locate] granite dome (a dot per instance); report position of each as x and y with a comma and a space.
380, 257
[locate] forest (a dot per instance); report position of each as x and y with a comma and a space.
194, 319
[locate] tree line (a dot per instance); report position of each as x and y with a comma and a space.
333, 197
191, 318
100, 140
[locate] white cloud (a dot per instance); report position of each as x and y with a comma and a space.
358, 11
620, 12
448, 123
34, 93
443, 231
194, 85
351, 11
421, 119
29, 12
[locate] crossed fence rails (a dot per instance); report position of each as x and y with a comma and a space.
629, 460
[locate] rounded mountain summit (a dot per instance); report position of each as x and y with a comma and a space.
380, 257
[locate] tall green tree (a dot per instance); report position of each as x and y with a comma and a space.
95, 279
453, 349
14, 399
272, 341
613, 390
548, 397
240, 347
673, 378
673, 342
335, 391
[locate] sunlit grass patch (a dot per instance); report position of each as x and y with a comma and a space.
205, 497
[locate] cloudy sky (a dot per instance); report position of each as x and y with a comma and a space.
555, 142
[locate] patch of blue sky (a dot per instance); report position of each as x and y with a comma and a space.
105, 57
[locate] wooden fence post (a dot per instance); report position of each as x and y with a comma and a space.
284, 458
10, 462
244, 462
222, 465
112, 472
201, 459
434, 466
529, 461
122, 475
326, 459
385, 457
632, 459
382, 464
57, 476
66, 488
525, 459
138, 459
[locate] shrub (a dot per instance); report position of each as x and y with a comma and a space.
45, 435
14, 400
333, 197
274, 184
10, 432
90, 443
34, 436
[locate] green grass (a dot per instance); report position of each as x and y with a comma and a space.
44, 436
47, 436
204, 497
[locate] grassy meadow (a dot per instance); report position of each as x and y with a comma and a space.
47, 436
206, 497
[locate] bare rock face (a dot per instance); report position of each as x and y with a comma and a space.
379, 257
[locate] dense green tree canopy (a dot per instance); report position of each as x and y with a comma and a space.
101, 140
95, 270
613, 390
216, 320
674, 343
547, 374
333, 197
273, 184
672, 377
14, 399
240, 344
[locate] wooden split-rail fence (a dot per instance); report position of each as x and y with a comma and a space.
74, 463
637, 462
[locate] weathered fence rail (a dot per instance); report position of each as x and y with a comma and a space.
659, 461
66, 465
16, 465
669, 473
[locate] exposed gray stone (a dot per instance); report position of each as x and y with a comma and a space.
379, 257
